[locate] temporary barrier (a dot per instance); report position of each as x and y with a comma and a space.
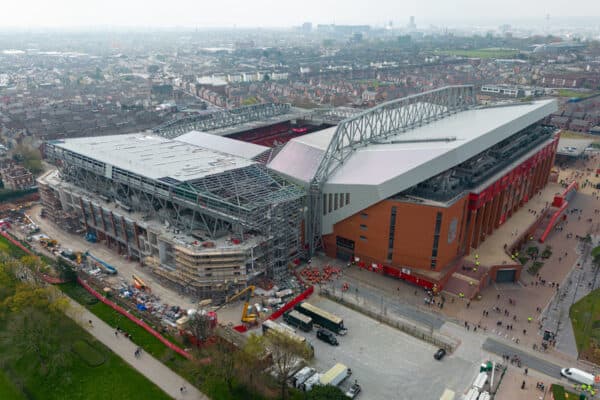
137, 321
16, 243
302, 296
398, 273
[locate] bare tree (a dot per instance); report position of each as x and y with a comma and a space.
199, 326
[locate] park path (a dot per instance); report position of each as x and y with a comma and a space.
150, 367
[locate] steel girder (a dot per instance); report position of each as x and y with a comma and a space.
222, 119
387, 119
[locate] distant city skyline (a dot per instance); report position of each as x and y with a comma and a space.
265, 13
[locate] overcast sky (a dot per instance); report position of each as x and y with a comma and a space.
274, 13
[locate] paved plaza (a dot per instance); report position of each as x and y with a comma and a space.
389, 364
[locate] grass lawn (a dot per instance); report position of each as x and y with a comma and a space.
585, 318
482, 53
10, 249
575, 93
110, 379
139, 335
8, 390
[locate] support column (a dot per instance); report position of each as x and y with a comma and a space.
83, 213
124, 230
530, 188
477, 232
137, 240
104, 227
493, 214
486, 220
470, 230
93, 215
501, 197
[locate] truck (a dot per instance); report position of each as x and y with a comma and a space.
578, 376
298, 320
322, 317
310, 382
335, 375
301, 376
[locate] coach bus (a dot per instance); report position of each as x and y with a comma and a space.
322, 318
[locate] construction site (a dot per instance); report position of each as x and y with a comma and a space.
204, 221
213, 203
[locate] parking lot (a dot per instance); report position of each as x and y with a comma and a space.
387, 363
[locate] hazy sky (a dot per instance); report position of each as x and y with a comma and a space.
273, 13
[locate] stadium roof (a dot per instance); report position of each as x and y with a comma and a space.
222, 144
380, 169
154, 157
417, 154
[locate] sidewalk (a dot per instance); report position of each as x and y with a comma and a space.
151, 368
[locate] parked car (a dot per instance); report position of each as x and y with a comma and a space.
327, 336
353, 391
439, 354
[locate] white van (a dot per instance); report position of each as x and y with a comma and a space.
577, 375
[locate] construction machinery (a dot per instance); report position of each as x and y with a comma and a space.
140, 284
47, 242
250, 318
109, 269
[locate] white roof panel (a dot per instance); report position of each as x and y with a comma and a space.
469, 133
153, 156
222, 144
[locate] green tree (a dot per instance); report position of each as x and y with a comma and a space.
222, 366
248, 101
250, 360
65, 271
326, 392
596, 256
285, 353
36, 332
31, 157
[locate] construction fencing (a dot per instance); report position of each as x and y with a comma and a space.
302, 296
136, 320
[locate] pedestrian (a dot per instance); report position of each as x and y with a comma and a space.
90, 323
526, 370
116, 333
524, 331
523, 385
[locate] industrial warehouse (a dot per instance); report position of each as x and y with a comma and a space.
409, 188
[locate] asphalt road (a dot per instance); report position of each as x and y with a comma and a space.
529, 361
373, 295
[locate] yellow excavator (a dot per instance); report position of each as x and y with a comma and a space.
246, 317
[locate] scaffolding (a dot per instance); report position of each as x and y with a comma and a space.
376, 124
222, 119
243, 202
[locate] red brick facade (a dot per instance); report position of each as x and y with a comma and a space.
463, 224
